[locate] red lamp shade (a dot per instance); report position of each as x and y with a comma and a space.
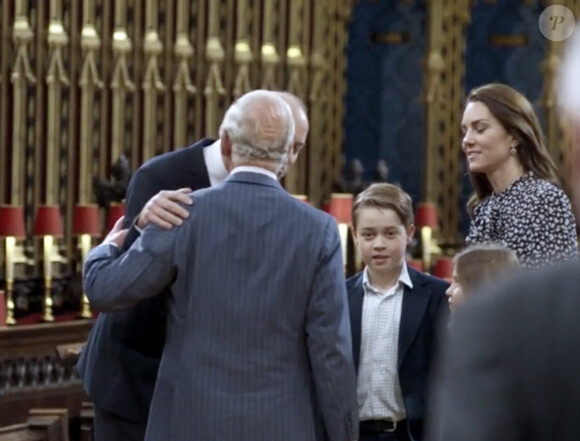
415, 264
116, 210
12, 221
341, 207
444, 268
86, 220
48, 221
426, 215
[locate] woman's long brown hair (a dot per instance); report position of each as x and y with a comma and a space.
516, 115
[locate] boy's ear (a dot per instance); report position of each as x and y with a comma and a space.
354, 235
410, 233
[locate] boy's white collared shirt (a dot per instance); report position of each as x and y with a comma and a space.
379, 389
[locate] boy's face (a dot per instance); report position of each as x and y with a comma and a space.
454, 292
381, 239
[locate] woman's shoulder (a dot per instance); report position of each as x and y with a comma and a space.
543, 191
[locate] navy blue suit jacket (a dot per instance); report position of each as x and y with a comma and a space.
119, 364
424, 306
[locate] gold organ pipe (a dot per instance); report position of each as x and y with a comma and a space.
318, 100
21, 76
433, 66
56, 77
152, 83
182, 85
269, 54
296, 63
121, 82
90, 43
215, 56
214, 19
242, 54
21, 8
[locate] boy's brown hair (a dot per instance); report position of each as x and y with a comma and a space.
385, 196
478, 265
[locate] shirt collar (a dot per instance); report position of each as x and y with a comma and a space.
214, 163
404, 279
254, 169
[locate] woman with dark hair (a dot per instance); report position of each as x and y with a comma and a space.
478, 266
517, 201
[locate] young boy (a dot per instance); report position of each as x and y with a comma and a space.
395, 313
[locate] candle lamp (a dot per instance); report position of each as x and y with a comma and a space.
116, 210
341, 208
48, 225
426, 220
444, 268
12, 227
86, 226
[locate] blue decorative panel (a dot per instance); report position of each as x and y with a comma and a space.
384, 116
504, 44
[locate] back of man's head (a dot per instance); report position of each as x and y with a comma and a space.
260, 127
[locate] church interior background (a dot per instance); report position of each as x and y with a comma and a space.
91, 89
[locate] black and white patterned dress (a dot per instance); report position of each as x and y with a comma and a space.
532, 217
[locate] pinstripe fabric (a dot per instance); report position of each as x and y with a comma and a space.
258, 322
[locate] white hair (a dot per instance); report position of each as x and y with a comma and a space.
569, 78
260, 126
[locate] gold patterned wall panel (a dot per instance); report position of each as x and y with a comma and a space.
443, 95
84, 82
560, 144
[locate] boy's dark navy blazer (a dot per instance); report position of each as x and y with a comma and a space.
424, 307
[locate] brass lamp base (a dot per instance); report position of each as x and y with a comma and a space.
10, 320
85, 311
47, 304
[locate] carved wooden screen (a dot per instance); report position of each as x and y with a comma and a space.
83, 82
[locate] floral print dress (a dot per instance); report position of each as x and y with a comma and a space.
532, 217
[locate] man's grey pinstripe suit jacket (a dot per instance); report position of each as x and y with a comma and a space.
258, 328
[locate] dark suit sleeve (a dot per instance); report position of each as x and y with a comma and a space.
441, 317
118, 282
142, 187
329, 342
471, 394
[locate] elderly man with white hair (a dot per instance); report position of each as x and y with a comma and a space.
258, 338
511, 370
119, 364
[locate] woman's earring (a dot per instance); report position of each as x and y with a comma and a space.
513, 150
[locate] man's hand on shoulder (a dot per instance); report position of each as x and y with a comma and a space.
117, 235
164, 209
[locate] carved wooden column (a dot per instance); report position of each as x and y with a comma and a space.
152, 84
56, 80
121, 82
215, 56
318, 100
21, 77
269, 55
456, 17
295, 181
433, 98
89, 81
182, 85
243, 56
